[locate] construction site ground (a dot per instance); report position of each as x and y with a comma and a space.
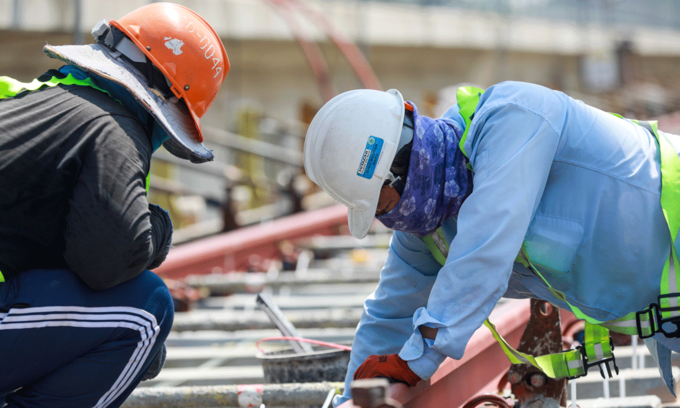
214, 343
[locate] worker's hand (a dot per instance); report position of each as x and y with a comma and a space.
161, 235
390, 366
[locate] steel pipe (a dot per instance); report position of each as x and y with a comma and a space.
257, 320
244, 282
281, 395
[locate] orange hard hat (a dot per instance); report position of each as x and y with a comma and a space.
184, 47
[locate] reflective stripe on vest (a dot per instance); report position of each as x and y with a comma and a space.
468, 99
10, 87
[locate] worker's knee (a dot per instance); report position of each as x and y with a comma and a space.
148, 292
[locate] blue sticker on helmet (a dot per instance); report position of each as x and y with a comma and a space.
370, 157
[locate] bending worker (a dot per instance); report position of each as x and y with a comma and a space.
82, 319
532, 194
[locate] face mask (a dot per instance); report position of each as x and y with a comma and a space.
437, 182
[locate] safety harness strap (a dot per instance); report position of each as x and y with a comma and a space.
574, 363
667, 309
468, 99
568, 364
437, 245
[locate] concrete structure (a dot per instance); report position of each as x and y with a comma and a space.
414, 48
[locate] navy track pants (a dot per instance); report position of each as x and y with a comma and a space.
63, 344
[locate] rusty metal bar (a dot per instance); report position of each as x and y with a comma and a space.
543, 335
231, 251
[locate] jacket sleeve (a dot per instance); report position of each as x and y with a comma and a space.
512, 152
108, 233
387, 319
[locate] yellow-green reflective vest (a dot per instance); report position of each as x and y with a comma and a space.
597, 349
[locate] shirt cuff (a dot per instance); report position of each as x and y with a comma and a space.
427, 362
418, 352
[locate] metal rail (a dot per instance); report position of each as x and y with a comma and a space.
231, 251
280, 395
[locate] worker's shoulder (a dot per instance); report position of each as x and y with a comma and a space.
93, 102
523, 94
104, 112
516, 99
98, 120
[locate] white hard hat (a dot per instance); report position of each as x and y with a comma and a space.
349, 149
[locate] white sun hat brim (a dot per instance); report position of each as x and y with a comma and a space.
174, 118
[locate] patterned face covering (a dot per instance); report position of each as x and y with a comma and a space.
438, 180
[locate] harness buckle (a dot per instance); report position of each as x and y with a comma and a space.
602, 364
674, 320
652, 312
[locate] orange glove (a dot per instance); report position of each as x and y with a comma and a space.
390, 366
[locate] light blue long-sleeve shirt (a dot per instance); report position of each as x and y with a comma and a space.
579, 187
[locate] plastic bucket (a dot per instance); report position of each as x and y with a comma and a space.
323, 364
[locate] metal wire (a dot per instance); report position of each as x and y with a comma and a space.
303, 340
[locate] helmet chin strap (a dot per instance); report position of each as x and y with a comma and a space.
392, 179
397, 182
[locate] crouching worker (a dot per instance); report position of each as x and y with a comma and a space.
82, 319
517, 191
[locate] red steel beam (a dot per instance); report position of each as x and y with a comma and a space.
231, 251
480, 369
